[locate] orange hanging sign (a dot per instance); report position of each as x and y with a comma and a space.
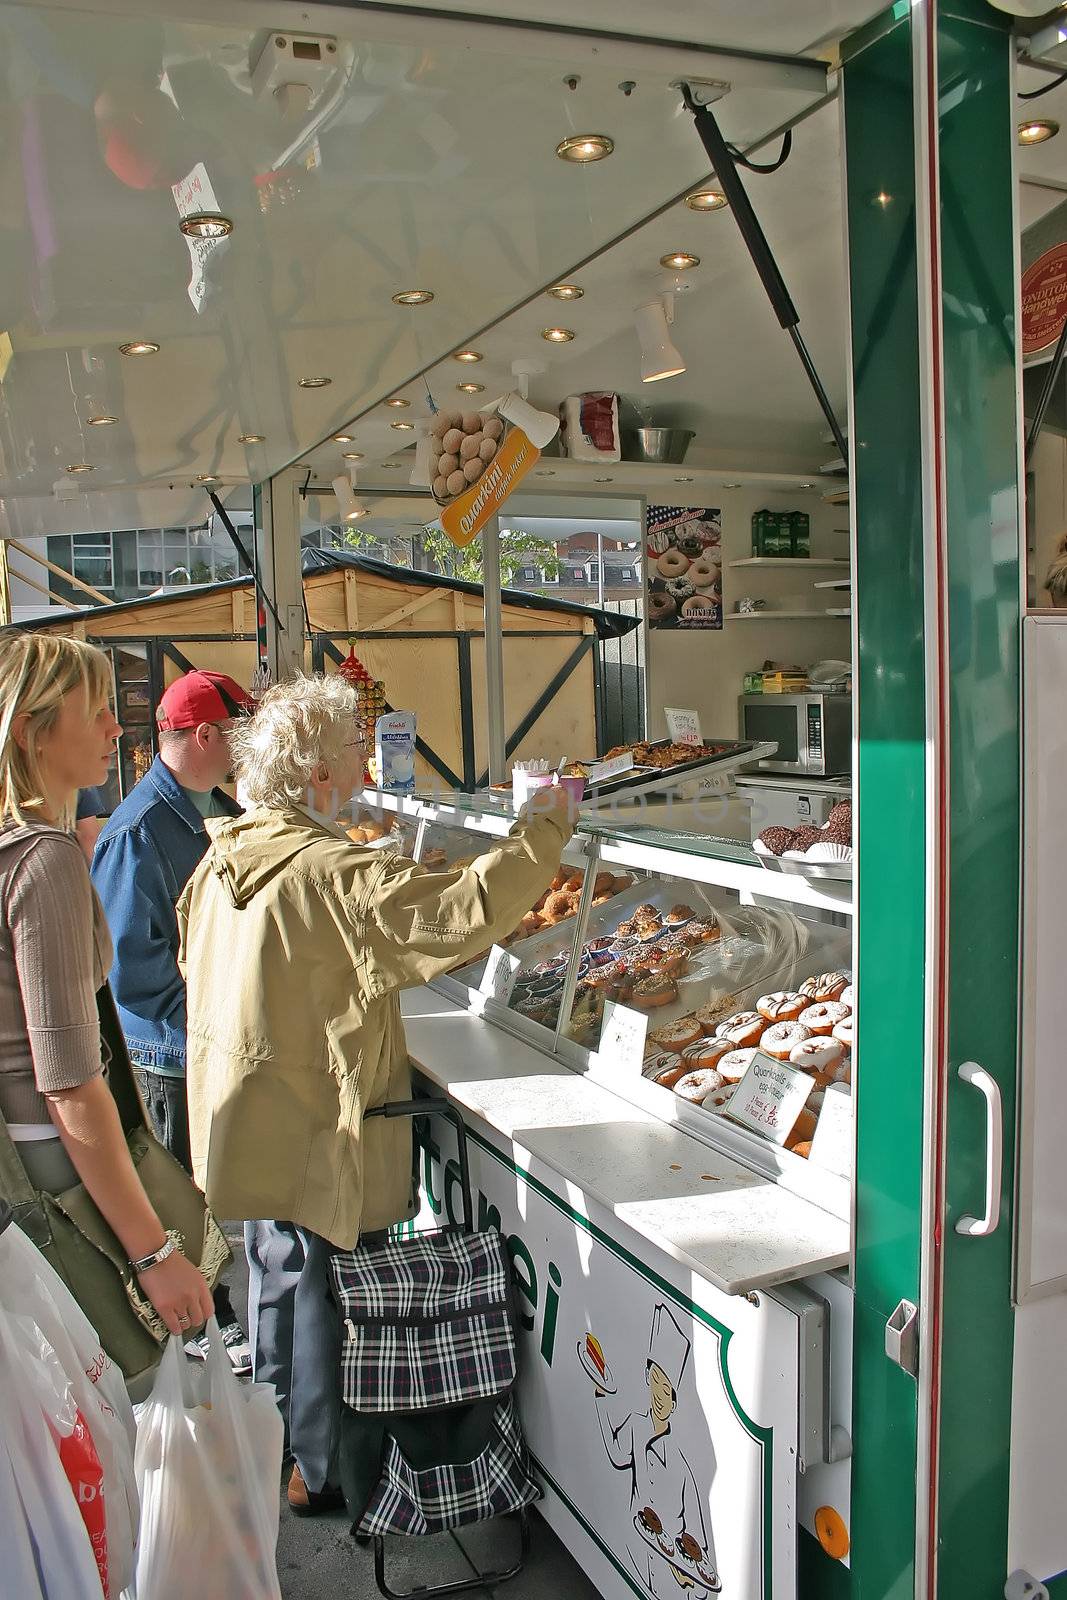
465, 517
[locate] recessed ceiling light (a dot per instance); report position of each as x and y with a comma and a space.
470, 388
687, 479
1037, 130
139, 347
352, 455
732, 486
100, 422
557, 335
251, 438
206, 477
398, 403
314, 383
467, 355
679, 261
585, 147
706, 200
413, 297
807, 486
206, 225
405, 427
566, 291
603, 480
392, 466
80, 466
344, 438
545, 472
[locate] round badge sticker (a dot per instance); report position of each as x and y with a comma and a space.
1044, 300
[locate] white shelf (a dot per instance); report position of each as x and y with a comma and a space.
839, 611
834, 583
792, 562
779, 616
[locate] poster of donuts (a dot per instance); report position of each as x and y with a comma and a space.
683, 556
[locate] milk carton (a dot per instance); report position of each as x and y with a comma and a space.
394, 750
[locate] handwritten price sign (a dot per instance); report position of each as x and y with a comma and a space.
770, 1098
683, 727
501, 971
622, 1038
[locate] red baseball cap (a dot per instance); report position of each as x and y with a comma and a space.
201, 697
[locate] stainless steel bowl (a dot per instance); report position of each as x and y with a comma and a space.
664, 445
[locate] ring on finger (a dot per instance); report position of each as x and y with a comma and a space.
184, 1322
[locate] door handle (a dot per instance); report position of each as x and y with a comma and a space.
980, 1227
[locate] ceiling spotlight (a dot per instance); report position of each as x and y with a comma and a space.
413, 297
733, 486
314, 383
679, 261
467, 355
565, 291
706, 200
206, 225
349, 505
206, 477
470, 388
139, 347
391, 466
557, 335
405, 427
344, 438
603, 480
659, 358
352, 455
582, 148
80, 466
685, 478
251, 438
807, 486
398, 403
1037, 130
100, 422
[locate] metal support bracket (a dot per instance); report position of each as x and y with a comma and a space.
702, 91
902, 1337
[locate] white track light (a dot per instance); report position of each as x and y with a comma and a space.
350, 506
659, 357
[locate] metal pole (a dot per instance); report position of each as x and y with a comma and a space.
494, 651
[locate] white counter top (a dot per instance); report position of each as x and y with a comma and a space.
730, 1226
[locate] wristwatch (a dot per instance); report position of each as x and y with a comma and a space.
142, 1265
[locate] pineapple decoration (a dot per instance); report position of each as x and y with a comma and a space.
370, 693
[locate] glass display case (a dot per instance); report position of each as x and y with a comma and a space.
714, 958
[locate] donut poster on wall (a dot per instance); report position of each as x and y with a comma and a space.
683, 564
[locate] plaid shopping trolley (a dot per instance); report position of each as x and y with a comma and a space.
430, 1434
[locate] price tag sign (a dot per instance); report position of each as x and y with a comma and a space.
501, 971
831, 1146
770, 1098
622, 1039
683, 727
601, 771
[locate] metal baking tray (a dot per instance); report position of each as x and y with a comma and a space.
726, 756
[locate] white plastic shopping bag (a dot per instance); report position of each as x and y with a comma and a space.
84, 1396
208, 1460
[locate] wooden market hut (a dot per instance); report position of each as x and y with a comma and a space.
421, 634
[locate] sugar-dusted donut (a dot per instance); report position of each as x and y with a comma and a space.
695, 1085
825, 986
843, 1032
676, 1035
654, 991
824, 1017
743, 1030
847, 996
718, 1100
706, 1053
734, 1064
671, 564
821, 1057
782, 1037
783, 1006
661, 607
716, 1011
703, 573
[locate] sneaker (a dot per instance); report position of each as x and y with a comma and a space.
237, 1348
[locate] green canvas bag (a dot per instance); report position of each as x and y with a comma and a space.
74, 1238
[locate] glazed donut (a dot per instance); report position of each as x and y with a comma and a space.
743, 1030
703, 573
705, 1053
843, 1032
847, 996
681, 589
677, 1035
660, 606
824, 1017
719, 1099
825, 986
698, 605
782, 1038
695, 1085
712, 1014
802, 1148
820, 1057
654, 991
672, 564
733, 1066
669, 1076
784, 1006
803, 1130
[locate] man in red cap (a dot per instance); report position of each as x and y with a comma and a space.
144, 857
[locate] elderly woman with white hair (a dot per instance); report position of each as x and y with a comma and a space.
295, 946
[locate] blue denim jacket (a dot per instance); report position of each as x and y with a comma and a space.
146, 854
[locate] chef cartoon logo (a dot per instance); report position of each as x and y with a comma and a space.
669, 1546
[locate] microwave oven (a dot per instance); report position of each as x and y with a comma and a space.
813, 732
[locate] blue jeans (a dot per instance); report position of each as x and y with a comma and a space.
168, 1113
296, 1340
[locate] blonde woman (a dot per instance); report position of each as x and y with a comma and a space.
296, 944
57, 735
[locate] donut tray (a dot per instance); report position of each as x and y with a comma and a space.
717, 756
